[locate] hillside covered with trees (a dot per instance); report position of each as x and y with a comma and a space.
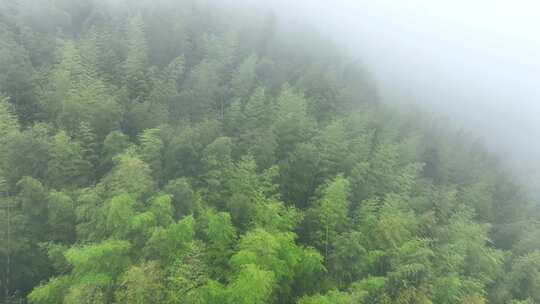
190, 152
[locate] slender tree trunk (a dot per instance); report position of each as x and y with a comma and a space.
4, 194
326, 244
8, 251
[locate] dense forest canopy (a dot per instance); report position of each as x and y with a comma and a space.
188, 152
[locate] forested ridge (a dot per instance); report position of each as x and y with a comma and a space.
191, 152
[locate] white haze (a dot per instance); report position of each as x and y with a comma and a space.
476, 62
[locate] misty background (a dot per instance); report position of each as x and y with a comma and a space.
473, 63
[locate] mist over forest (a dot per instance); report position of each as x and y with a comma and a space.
233, 151
472, 63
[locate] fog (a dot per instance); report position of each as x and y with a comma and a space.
476, 63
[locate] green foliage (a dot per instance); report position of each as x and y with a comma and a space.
50, 293
349, 259
108, 257
8, 119
173, 152
331, 297
119, 215
67, 165
217, 161
171, 242
252, 285
244, 77
162, 209
87, 292
26, 154
383, 174
293, 125
221, 235
524, 277
61, 217
141, 284
201, 96
130, 175
184, 198
75, 95
332, 212
278, 254
188, 278
247, 190
33, 198
137, 79
114, 143
300, 174
151, 148
18, 75
94, 268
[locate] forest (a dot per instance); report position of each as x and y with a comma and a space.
199, 153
